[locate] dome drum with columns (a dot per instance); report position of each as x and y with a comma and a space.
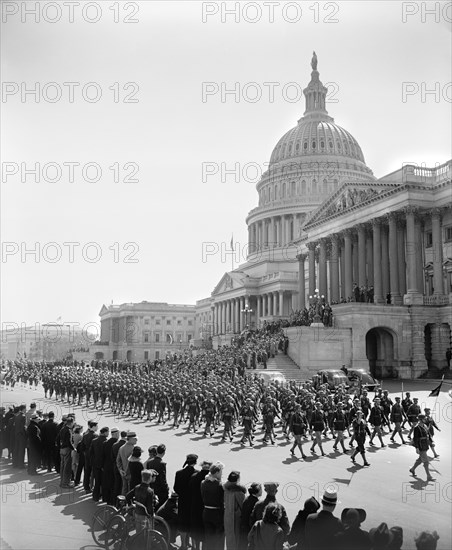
308, 164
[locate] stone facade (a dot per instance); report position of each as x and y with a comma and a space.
325, 222
144, 331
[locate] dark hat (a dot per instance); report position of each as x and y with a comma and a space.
191, 459
104, 430
381, 535
234, 476
361, 513
329, 498
35, 417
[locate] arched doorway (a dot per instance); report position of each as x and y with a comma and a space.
99, 355
380, 352
115, 355
129, 356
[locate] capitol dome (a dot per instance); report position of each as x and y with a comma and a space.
308, 164
316, 137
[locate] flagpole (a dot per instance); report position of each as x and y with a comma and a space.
232, 248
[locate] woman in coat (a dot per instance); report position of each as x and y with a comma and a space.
234, 495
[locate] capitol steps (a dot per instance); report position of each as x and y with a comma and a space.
284, 364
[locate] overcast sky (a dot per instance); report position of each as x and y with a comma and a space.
167, 132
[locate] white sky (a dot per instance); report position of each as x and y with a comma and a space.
367, 56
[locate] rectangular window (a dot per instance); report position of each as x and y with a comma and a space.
169, 338
157, 355
179, 323
448, 234
146, 355
146, 321
157, 337
157, 321
428, 239
146, 337
189, 337
168, 322
190, 322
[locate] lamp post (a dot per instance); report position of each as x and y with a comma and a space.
247, 310
316, 300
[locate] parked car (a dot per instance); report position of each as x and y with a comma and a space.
361, 378
273, 376
332, 377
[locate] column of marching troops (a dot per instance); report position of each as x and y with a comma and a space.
211, 392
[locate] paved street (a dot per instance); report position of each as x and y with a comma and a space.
38, 514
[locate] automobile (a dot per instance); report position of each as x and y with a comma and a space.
361, 378
332, 377
272, 376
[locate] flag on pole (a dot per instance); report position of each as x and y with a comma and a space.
435, 391
232, 249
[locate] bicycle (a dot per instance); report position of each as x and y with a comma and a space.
121, 532
105, 514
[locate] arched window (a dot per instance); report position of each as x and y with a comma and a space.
292, 192
314, 186
283, 190
325, 186
303, 187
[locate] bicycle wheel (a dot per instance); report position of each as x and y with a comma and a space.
147, 539
116, 533
100, 522
162, 527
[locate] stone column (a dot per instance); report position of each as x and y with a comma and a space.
362, 279
334, 268
242, 315
393, 261
283, 230
401, 256
214, 319
228, 315
258, 310
281, 302
322, 269
301, 281
384, 260
348, 269
295, 226
411, 250
377, 276
419, 240
370, 258
275, 303
311, 255
355, 257
250, 237
437, 244
342, 268
274, 232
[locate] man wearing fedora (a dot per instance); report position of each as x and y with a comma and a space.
323, 527
421, 441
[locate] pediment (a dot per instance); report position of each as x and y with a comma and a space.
229, 281
103, 311
349, 195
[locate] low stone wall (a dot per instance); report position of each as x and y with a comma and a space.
316, 347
